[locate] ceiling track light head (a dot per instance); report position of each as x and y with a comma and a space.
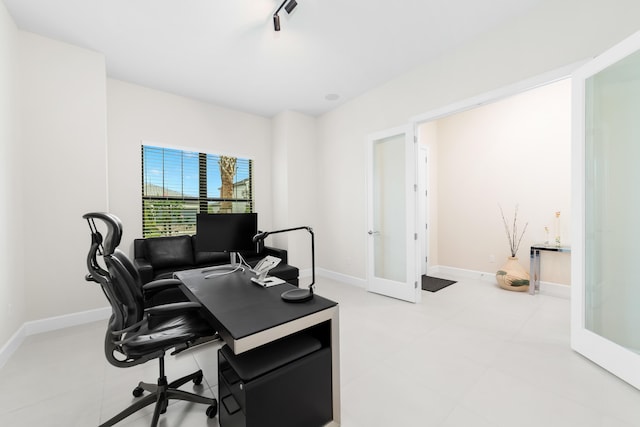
276, 22
290, 6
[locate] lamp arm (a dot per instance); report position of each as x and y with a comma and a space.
266, 233
263, 235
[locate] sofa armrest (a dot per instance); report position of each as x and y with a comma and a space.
145, 269
276, 252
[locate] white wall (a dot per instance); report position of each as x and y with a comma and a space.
12, 291
63, 135
516, 151
279, 176
294, 184
553, 35
137, 114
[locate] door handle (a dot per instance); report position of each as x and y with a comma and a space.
373, 233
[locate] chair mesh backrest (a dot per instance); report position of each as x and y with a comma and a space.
96, 272
119, 286
128, 291
134, 280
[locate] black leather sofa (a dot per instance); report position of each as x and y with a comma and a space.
159, 257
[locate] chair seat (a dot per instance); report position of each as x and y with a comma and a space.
165, 334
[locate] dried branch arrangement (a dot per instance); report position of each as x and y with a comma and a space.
512, 234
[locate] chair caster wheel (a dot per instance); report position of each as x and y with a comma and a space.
212, 410
137, 392
197, 380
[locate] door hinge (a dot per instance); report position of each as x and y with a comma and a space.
415, 187
415, 284
415, 236
415, 139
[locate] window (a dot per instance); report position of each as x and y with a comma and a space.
177, 184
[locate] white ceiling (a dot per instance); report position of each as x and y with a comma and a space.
227, 53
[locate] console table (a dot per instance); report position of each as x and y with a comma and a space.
534, 263
248, 316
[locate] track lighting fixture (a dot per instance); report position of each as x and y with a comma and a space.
290, 5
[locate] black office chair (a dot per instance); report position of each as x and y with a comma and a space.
139, 331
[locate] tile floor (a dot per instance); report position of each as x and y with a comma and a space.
470, 355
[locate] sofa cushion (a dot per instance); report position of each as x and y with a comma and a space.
165, 252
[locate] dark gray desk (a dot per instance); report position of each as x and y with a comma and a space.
247, 315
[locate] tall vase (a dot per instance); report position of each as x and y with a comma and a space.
512, 276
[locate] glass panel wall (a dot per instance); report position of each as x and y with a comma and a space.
612, 203
389, 217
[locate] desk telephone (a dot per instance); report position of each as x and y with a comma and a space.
262, 268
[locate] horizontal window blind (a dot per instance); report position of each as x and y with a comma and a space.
177, 184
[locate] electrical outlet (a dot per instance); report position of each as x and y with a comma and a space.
492, 258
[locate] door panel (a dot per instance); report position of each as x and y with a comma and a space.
391, 209
606, 292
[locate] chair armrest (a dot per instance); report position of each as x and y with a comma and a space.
154, 292
160, 284
145, 269
158, 309
276, 252
173, 307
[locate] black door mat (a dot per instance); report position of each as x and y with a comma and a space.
434, 284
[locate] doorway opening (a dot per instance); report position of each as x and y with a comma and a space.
508, 149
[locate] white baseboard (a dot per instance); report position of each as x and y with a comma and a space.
67, 320
34, 327
343, 278
12, 345
555, 290
460, 273
546, 288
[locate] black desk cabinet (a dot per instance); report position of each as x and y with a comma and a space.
286, 383
280, 365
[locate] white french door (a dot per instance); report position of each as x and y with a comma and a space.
605, 324
392, 245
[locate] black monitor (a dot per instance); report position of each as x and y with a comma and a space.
226, 232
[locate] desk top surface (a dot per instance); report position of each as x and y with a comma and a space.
242, 307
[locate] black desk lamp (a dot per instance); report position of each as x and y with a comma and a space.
295, 295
